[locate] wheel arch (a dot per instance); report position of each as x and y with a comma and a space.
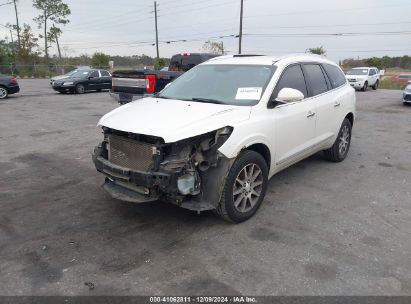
350, 117
263, 150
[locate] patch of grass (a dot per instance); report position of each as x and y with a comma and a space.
392, 84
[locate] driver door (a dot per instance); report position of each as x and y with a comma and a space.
94, 81
294, 123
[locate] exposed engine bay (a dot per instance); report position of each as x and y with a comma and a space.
141, 168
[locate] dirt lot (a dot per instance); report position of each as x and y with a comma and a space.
323, 229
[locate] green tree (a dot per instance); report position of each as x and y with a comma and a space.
375, 62
28, 45
53, 37
159, 64
317, 50
100, 60
6, 52
55, 11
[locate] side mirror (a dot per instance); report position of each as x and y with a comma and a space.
287, 95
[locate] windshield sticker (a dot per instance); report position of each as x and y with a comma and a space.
249, 93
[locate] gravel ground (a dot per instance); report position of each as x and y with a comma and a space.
323, 229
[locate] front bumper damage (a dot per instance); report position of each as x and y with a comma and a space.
190, 174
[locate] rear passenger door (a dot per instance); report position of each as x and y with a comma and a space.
327, 101
294, 123
94, 81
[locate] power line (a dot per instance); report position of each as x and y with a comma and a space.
264, 35
326, 10
7, 3
199, 8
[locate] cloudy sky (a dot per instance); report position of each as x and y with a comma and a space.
349, 28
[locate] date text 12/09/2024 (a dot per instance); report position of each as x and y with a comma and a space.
203, 299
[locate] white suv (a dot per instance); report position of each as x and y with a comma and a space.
362, 78
214, 136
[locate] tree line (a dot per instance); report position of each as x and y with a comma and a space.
385, 62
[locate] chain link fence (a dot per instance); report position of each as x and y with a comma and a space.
37, 70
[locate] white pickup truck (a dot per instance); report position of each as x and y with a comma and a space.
363, 77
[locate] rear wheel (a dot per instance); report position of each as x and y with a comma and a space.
244, 188
80, 89
375, 86
338, 152
365, 86
3, 92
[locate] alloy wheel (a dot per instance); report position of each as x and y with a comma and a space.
344, 141
247, 187
3, 93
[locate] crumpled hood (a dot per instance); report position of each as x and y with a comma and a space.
173, 120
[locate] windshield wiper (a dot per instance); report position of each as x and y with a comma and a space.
208, 100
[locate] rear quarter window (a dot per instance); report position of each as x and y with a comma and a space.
316, 79
335, 75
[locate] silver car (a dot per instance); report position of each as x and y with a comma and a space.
406, 98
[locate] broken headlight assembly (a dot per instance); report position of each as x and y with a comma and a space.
193, 157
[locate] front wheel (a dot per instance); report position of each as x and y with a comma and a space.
3, 92
365, 87
80, 89
338, 152
244, 189
375, 86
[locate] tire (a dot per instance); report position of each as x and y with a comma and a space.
338, 152
365, 87
98, 90
80, 88
3, 92
375, 86
247, 163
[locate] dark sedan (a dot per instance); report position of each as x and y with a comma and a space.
84, 80
8, 85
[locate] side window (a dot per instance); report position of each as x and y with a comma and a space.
293, 78
316, 79
104, 73
371, 72
335, 75
95, 74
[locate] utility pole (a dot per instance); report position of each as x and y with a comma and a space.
11, 36
155, 17
240, 35
17, 23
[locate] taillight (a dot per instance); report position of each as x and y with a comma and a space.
13, 80
150, 83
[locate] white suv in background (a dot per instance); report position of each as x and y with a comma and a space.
214, 136
363, 77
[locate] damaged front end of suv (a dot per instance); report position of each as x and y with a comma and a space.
140, 168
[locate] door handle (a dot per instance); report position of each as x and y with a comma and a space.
310, 114
336, 104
